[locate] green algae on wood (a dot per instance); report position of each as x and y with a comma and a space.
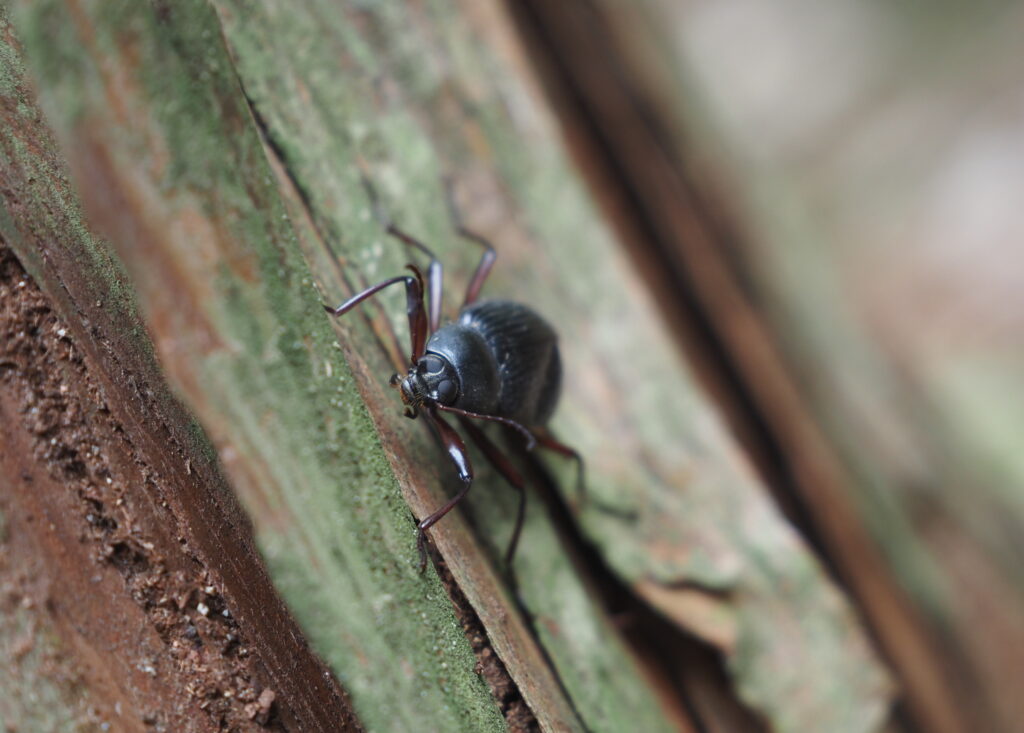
177, 479
172, 170
334, 87
315, 121
419, 98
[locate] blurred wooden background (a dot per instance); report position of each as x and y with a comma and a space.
777, 242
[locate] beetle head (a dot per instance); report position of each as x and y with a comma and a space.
430, 380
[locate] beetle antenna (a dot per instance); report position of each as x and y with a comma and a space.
531, 440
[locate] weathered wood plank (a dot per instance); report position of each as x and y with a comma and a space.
319, 121
851, 239
440, 105
171, 168
173, 171
146, 584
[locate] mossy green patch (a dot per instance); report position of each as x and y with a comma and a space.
420, 96
340, 540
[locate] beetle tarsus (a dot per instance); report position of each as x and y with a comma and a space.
421, 546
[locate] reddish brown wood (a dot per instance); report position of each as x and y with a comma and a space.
128, 486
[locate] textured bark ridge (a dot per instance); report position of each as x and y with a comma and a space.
220, 150
93, 553
140, 571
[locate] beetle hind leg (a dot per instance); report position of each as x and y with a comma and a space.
544, 440
483, 268
435, 274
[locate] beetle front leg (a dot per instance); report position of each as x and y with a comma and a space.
456, 450
413, 307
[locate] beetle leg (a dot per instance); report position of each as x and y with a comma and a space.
435, 274
413, 306
504, 466
483, 269
545, 440
434, 271
456, 450
531, 440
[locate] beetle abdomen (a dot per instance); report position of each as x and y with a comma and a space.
525, 350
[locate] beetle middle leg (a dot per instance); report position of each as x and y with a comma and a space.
504, 466
528, 436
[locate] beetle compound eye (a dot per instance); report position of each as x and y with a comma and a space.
447, 391
431, 364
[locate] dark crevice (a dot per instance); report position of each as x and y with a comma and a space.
608, 166
663, 647
518, 715
531, 623
279, 156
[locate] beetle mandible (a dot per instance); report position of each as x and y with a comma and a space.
498, 361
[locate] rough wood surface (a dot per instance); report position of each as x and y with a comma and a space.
220, 148
149, 602
270, 354
439, 108
839, 187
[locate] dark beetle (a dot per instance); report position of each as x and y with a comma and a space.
498, 361
498, 358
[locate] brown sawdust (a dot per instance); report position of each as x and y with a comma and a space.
63, 410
